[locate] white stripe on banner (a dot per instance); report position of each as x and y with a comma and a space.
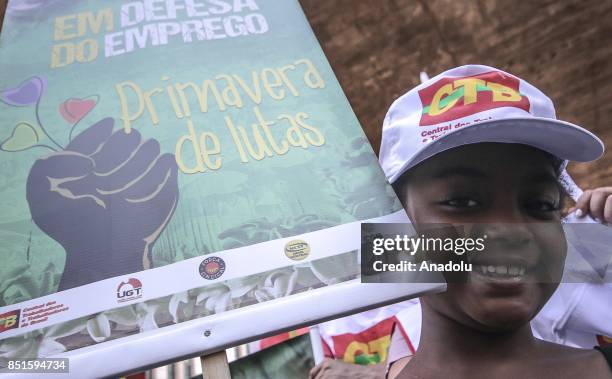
184, 275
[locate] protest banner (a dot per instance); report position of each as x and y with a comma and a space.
177, 177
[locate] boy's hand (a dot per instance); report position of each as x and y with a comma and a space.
596, 202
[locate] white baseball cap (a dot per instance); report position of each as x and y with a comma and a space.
473, 104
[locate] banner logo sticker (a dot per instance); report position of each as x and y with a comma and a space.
297, 250
9, 320
130, 290
212, 268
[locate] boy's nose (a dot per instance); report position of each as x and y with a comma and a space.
510, 235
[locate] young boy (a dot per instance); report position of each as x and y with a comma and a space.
437, 152
477, 145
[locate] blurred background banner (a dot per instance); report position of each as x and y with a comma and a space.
289, 359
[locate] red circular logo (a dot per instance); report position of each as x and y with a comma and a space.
212, 268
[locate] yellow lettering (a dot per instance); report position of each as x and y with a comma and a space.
380, 346
353, 348
230, 94
503, 93
150, 106
173, 100
64, 28
193, 139
207, 150
265, 125
288, 83
470, 89
312, 78
81, 47
126, 116
320, 139
201, 94
9, 321
62, 55
262, 148
271, 79
236, 138
95, 22
254, 95
434, 108
294, 133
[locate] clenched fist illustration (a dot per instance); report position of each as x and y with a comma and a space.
106, 198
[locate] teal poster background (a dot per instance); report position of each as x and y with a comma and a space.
316, 169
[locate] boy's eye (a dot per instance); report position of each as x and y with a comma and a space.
460, 202
542, 206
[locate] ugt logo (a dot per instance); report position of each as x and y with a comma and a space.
9, 320
130, 290
452, 98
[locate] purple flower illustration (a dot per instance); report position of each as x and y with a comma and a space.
27, 93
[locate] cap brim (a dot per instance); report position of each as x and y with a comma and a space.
559, 138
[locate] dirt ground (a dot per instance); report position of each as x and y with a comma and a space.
377, 49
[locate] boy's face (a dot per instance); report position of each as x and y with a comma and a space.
512, 192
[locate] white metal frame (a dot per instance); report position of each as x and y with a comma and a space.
216, 332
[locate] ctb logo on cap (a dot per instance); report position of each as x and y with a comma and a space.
453, 98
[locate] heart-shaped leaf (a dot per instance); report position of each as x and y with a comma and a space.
26, 93
73, 110
23, 137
